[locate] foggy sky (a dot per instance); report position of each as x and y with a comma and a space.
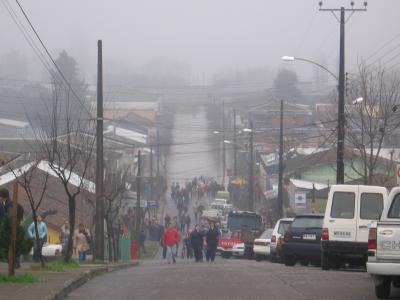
209, 35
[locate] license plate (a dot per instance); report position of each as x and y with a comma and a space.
309, 237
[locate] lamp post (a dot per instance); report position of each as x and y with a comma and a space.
341, 117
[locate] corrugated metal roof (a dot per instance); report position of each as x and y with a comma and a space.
308, 185
13, 123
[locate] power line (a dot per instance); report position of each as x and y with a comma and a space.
51, 58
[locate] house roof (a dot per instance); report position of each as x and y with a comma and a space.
44, 166
127, 134
13, 123
308, 185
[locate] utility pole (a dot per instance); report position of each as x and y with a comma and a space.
99, 230
251, 166
158, 152
280, 178
138, 214
13, 240
234, 145
223, 144
151, 172
341, 86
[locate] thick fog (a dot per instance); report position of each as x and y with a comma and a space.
202, 36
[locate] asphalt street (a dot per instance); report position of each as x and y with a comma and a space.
227, 279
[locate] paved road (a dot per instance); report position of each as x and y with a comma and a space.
227, 279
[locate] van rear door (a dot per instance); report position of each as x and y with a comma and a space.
369, 209
341, 219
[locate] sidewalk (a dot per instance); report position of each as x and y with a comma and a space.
53, 285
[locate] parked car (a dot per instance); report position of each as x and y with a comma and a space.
238, 250
383, 247
279, 230
302, 241
226, 242
51, 250
262, 245
349, 211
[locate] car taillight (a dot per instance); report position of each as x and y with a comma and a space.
273, 239
325, 234
288, 235
372, 239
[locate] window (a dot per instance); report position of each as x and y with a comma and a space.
343, 205
371, 206
308, 222
283, 226
394, 212
267, 234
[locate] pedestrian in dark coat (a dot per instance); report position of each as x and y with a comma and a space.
196, 240
5, 203
212, 241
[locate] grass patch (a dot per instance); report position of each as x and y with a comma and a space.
151, 250
60, 265
24, 278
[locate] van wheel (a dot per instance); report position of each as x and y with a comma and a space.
382, 287
226, 254
325, 261
289, 261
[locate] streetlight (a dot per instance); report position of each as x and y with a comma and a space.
293, 58
341, 117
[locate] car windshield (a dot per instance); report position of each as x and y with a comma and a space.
308, 222
283, 226
267, 234
239, 221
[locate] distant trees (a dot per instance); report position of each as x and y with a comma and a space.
371, 118
285, 85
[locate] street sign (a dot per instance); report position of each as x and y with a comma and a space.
398, 174
300, 199
151, 204
143, 203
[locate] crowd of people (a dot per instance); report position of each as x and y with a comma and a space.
197, 243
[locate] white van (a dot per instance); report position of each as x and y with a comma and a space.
349, 212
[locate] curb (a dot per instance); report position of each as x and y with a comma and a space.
75, 283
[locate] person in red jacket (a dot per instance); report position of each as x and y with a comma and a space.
170, 240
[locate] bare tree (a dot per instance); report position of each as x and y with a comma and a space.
370, 117
35, 188
66, 141
115, 186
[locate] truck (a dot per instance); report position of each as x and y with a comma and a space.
242, 227
384, 247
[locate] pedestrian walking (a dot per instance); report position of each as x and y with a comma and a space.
64, 235
188, 221
142, 239
212, 241
167, 220
81, 242
196, 240
170, 240
5, 203
42, 232
188, 245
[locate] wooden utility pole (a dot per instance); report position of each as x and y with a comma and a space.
223, 144
151, 176
251, 166
13, 240
138, 214
341, 85
280, 179
99, 230
234, 145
